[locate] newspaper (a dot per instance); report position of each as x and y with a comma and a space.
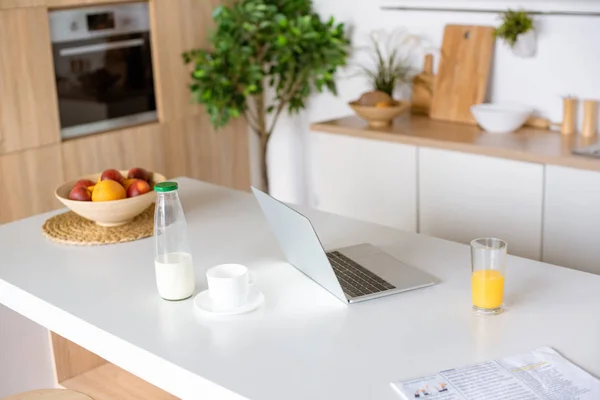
538, 374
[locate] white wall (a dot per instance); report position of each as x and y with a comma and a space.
567, 63
25, 355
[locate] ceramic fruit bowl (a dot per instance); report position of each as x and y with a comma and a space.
380, 116
108, 213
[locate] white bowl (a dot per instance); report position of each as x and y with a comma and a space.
500, 118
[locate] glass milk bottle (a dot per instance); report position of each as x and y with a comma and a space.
173, 259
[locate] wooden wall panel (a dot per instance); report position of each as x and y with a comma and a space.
109, 382
138, 146
71, 359
29, 112
177, 26
194, 149
6, 4
235, 156
81, 370
27, 182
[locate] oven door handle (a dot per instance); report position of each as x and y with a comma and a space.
72, 51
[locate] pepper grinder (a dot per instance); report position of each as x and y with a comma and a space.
588, 128
568, 123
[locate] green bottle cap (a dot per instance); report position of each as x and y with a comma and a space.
165, 187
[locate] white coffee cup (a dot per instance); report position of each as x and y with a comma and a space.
228, 285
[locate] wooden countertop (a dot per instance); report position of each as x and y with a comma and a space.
527, 144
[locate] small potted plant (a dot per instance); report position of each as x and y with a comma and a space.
388, 70
517, 30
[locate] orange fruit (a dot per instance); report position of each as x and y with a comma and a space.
108, 190
382, 104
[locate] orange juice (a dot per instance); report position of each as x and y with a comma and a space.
487, 288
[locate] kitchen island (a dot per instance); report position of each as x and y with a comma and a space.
302, 343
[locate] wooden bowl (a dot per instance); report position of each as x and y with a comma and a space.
107, 213
379, 117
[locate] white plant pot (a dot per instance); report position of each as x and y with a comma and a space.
526, 44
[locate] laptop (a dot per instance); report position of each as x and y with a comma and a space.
352, 274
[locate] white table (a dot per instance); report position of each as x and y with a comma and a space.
303, 343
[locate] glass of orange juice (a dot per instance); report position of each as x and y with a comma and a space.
488, 267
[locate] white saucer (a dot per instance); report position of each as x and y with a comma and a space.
204, 304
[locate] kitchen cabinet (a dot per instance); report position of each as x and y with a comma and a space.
365, 179
181, 143
194, 149
572, 218
27, 182
29, 113
6, 4
177, 26
465, 196
139, 146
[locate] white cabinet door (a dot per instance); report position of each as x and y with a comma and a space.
572, 218
464, 196
364, 179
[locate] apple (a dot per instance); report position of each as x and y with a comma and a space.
80, 193
138, 187
112, 174
84, 183
138, 173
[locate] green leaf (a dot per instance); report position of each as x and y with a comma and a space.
249, 27
218, 11
514, 23
281, 40
281, 20
280, 43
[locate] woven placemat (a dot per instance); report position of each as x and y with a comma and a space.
70, 228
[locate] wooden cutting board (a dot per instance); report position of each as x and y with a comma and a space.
462, 76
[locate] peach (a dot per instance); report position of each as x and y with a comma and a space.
138, 173
138, 187
80, 193
112, 174
84, 183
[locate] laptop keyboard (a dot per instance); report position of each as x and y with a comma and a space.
355, 279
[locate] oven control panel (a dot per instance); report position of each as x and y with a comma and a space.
94, 22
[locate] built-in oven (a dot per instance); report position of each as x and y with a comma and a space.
103, 67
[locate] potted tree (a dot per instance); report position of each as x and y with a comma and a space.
275, 47
517, 31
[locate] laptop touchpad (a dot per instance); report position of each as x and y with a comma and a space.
394, 271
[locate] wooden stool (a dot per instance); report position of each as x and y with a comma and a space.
49, 394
